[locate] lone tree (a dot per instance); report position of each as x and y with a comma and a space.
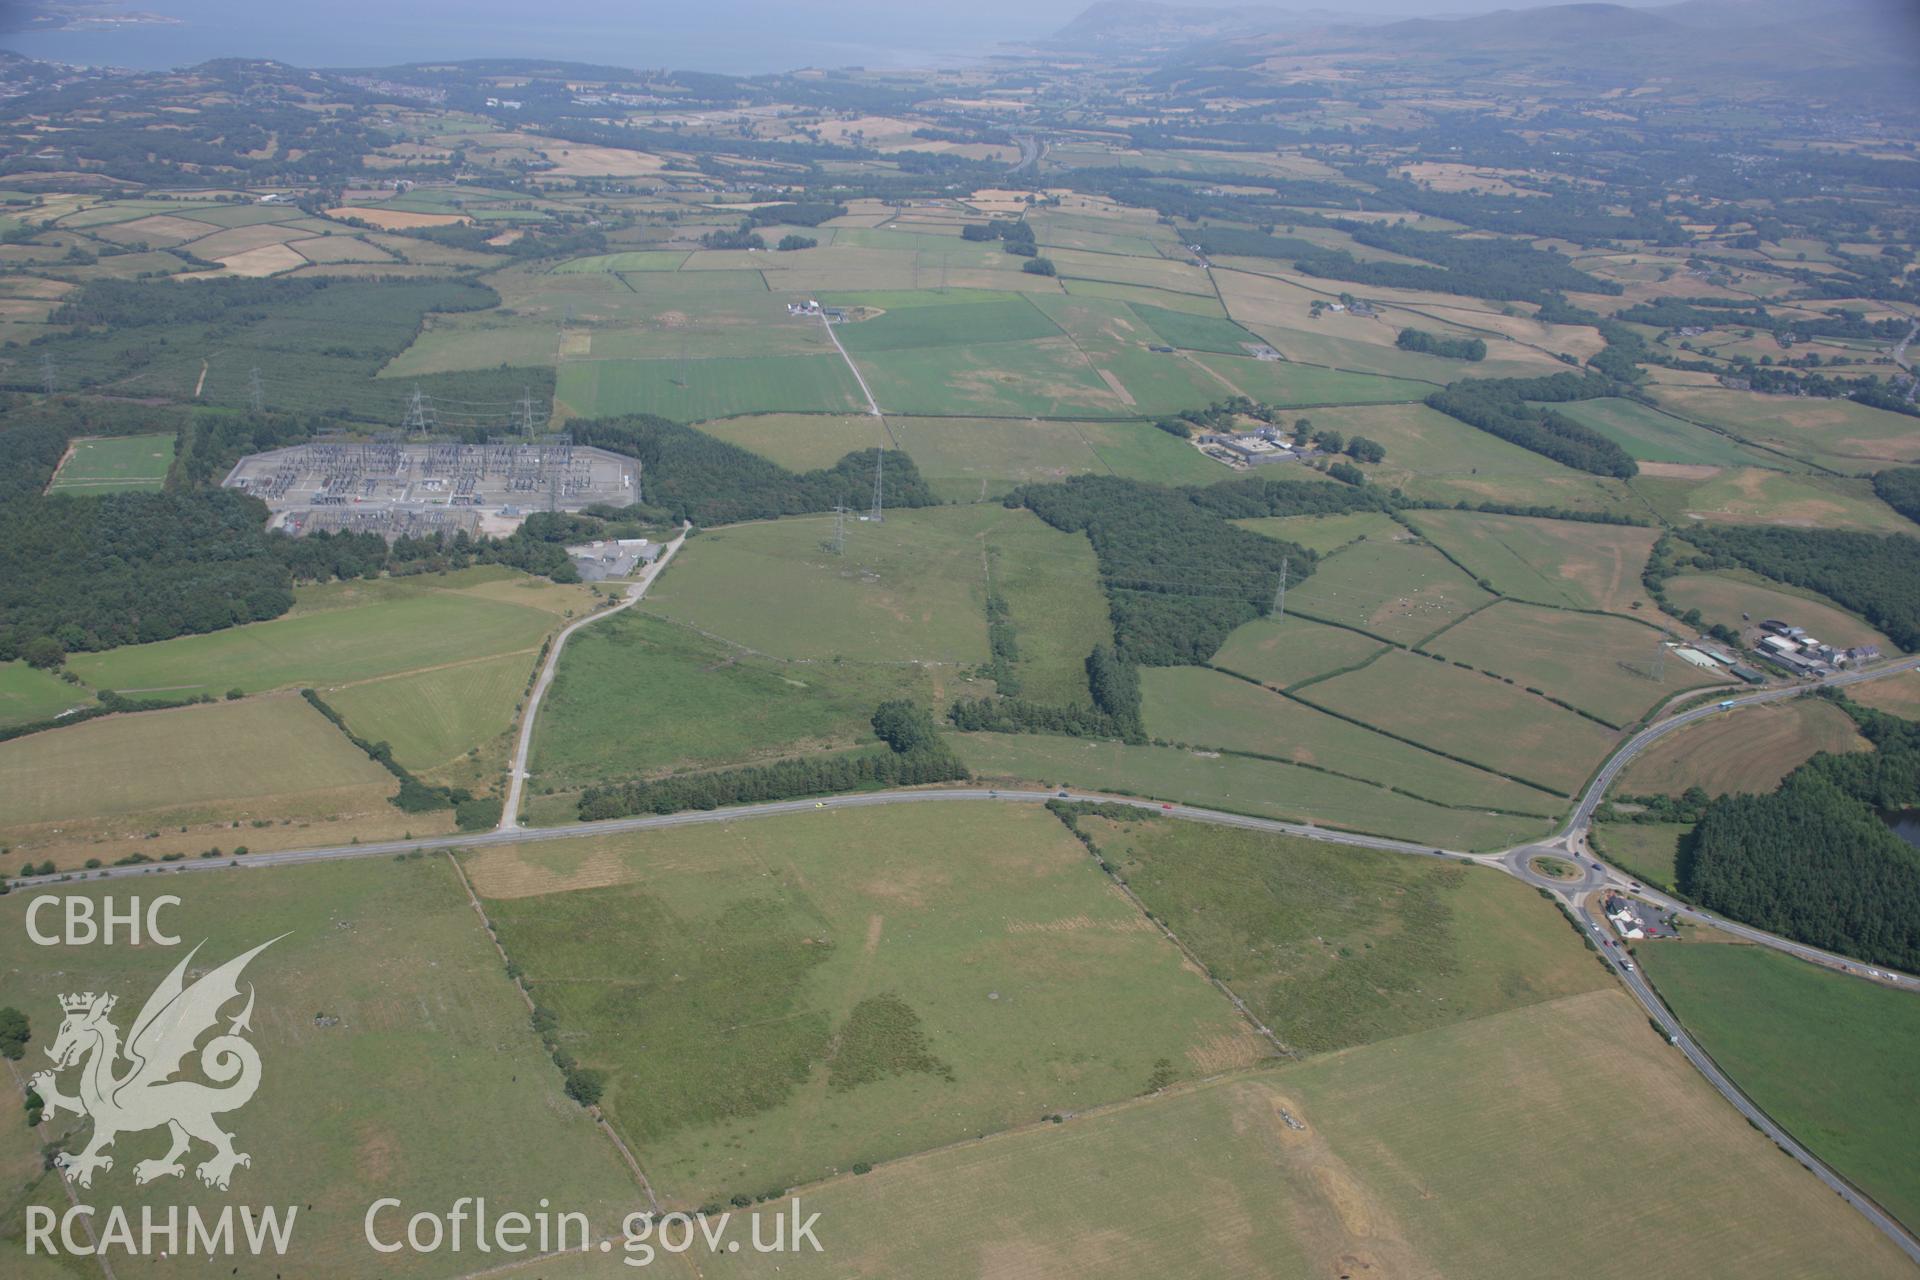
14, 1034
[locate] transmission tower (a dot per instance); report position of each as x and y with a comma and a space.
526, 412
839, 543
1659, 662
1280, 593
553, 490
879, 515
46, 371
256, 393
419, 415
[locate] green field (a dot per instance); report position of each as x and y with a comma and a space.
1724, 597
1644, 849
1469, 715
1433, 1155
114, 464
396, 1060
1397, 590
1846, 436
1557, 562
1289, 385
721, 387
1207, 709
1198, 304
1042, 377
28, 694
433, 717
775, 1000
1051, 583
1190, 332
1604, 666
632, 260
1334, 947
912, 589
1237, 784
1652, 436
967, 459
1015, 320
1433, 457
1754, 496
1286, 652
638, 695
1829, 1057
343, 633
1325, 533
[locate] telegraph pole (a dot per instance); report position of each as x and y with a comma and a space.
879, 485
1280, 593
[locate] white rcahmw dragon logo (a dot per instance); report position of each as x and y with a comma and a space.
144, 1095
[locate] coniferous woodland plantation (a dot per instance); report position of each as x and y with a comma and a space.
1032, 645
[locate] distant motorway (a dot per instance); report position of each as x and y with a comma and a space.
1569, 846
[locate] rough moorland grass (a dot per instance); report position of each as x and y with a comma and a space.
1398, 590
1749, 749
1724, 597
28, 694
1207, 708
911, 589
1652, 436
396, 1059
1238, 784
1645, 849
1199, 304
1469, 715
433, 717
1334, 947
115, 463
1829, 1057
637, 695
1557, 562
346, 636
260, 751
775, 1000
721, 387
1409, 1158
1605, 666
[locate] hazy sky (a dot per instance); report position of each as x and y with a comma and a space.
738, 36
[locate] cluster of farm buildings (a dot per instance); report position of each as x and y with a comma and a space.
1791, 647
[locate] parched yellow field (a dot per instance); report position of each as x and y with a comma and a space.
178, 781
1500, 1148
1897, 694
1749, 749
396, 219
